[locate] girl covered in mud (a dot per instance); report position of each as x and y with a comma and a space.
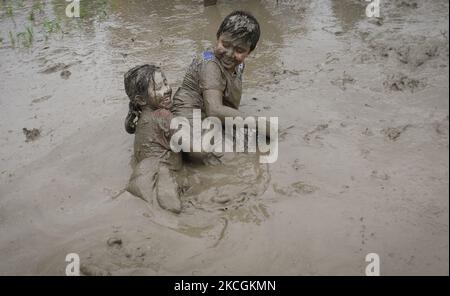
149, 119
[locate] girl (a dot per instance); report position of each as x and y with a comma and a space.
153, 178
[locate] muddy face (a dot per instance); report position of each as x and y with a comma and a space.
160, 92
231, 51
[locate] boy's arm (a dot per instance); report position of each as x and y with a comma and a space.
214, 107
212, 84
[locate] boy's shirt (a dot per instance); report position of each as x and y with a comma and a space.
206, 72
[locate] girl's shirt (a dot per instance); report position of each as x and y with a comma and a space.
152, 137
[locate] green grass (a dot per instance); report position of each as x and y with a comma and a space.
103, 15
26, 36
51, 26
30, 33
9, 11
31, 16
38, 6
12, 39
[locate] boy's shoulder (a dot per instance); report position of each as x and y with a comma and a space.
208, 55
200, 60
205, 56
207, 63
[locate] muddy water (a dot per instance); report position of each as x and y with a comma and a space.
363, 169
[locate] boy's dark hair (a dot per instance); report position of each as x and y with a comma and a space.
242, 25
136, 82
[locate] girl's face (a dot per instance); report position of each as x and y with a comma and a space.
231, 51
159, 92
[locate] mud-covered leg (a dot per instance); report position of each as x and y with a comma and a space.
143, 180
167, 189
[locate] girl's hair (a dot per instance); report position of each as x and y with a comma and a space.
241, 25
137, 81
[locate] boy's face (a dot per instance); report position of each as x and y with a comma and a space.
231, 51
159, 92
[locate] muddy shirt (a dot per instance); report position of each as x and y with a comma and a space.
206, 73
152, 137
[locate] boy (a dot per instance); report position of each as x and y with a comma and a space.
213, 81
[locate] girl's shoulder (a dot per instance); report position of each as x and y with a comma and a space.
149, 116
162, 113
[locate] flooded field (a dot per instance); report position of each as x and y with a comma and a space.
364, 167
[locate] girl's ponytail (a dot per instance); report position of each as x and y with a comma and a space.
137, 81
132, 118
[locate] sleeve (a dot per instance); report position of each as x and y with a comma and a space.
211, 77
161, 127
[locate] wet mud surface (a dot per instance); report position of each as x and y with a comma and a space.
363, 167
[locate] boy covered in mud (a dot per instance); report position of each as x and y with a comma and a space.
149, 119
213, 81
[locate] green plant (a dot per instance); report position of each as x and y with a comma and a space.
51, 26
9, 11
20, 36
12, 39
30, 34
103, 15
38, 6
26, 37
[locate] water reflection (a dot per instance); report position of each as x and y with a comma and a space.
348, 13
171, 33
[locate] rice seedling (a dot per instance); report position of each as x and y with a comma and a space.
29, 35
9, 11
51, 26
12, 39
38, 6
31, 16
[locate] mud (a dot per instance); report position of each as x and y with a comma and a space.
341, 82
54, 68
393, 133
309, 135
401, 82
65, 74
41, 99
363, 169
411, 50
31, 134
